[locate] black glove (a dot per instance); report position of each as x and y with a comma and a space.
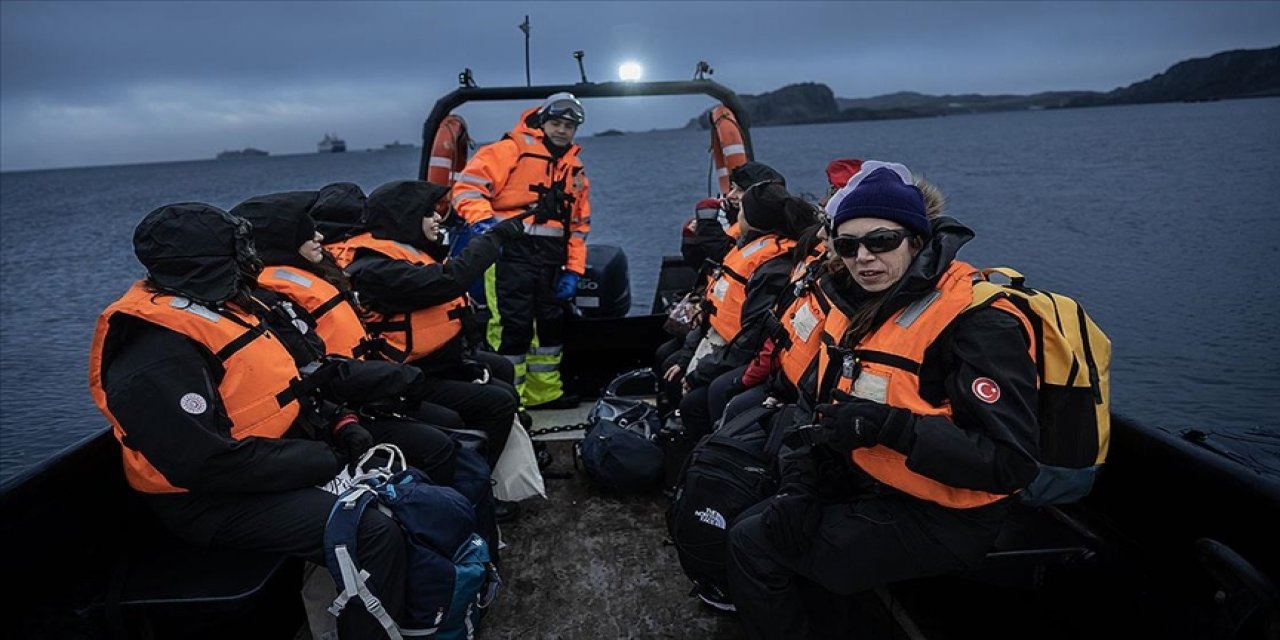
852, 425
508, 229
348, 438
791, 522
475, 371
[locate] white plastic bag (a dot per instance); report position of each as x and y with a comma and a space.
516, 475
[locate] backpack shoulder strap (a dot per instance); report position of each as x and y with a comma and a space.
340, 536
746, 419
1015, 277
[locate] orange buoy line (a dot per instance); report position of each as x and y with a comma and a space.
448, 151
727, 147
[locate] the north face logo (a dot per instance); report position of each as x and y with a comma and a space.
711, 516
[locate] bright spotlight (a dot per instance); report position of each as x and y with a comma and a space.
630, 71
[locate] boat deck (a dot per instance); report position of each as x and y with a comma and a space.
585, 563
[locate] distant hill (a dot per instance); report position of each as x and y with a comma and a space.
1244, 73
963, 103
1231, 74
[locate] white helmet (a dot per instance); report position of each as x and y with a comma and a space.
563, 105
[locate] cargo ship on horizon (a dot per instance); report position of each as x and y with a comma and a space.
331, 144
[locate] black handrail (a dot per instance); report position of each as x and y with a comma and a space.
463, 95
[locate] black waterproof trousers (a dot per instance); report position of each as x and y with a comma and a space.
525, 281
292, 523
488, 407
702, 408
861, 543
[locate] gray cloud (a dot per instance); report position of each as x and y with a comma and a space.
107, 82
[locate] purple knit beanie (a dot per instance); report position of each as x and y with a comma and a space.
883, 194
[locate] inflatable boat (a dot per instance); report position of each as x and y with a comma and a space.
1178, 539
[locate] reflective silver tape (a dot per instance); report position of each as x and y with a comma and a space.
913, 310
285, 274
466, 177
543, 230
466, 195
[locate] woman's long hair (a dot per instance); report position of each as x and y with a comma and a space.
328, 269
871, 305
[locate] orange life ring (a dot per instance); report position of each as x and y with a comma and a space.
727, 147
448, 151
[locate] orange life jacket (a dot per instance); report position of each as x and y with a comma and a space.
503, 179
727, 291
884, 367
337, 322
412, 336
803, 322
259, 372
734, 231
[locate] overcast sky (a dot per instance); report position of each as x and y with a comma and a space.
88, 83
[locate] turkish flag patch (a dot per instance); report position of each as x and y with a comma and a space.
986, 390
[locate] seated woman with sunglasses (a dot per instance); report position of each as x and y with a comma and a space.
930, 425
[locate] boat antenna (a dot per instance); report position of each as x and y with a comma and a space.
524, 26
577, 55
465, 79
702, 71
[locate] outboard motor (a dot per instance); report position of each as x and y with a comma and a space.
605, 289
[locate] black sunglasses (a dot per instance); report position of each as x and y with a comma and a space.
878, 241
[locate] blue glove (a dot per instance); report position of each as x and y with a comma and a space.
567, 286
478, 228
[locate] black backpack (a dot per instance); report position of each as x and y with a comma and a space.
618, 451
728, 471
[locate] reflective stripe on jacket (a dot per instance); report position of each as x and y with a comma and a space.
412, 336
501, 180
727, 292
884, 367
337, 322
256, 387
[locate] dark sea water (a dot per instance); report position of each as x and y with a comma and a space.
1161, 219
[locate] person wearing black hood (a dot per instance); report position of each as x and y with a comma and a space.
928, 429
199, 391
337, 211
709, 239
740, 294
416, 303
314, 313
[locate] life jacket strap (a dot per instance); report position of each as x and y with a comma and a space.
328, 306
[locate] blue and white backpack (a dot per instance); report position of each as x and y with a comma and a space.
451, 579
